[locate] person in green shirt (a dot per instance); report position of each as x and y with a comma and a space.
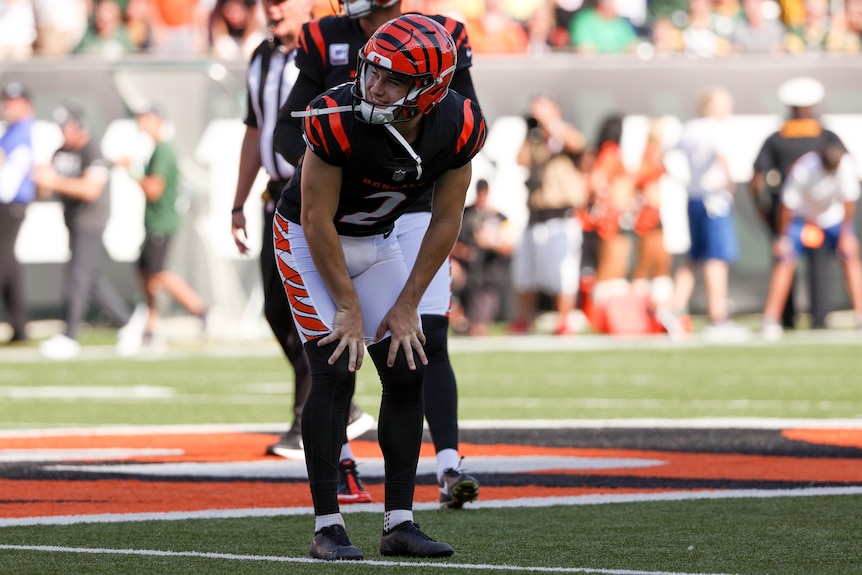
106, 35
160, 184
601, 30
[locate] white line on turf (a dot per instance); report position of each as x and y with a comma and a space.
234, 557
598, 499
656, 423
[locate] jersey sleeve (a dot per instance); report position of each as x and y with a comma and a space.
310, 59
462, 81
472, 135
462, 41
311, 53
325, 134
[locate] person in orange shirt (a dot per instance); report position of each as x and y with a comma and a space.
178, 26
495, 33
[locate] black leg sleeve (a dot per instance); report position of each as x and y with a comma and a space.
441, 391
400, 425
323, 420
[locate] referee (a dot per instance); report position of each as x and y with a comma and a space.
270, 77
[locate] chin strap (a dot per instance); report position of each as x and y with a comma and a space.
395, 133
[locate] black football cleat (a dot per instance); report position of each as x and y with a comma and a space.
332, 544
406, 540
457, 488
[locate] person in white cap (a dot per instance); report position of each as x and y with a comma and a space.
801, 133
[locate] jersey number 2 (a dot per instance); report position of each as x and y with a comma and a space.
391, 200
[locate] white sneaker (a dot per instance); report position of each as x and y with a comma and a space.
671, 324
60, 347
725, 332
771, 330
358, 423
130, 337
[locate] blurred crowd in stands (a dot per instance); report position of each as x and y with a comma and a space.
230, 29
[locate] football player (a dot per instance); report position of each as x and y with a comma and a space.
376, 146
326, 58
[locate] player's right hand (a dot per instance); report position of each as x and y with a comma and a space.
348, 332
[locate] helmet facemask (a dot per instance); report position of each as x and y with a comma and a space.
404, 109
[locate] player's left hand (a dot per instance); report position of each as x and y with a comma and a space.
402, 321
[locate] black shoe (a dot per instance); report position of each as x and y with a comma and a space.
332, 544
457, 488
406, 540
350, 488
289, 446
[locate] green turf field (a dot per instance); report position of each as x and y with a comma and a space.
794, 380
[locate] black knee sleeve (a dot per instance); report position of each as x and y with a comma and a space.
441, 390
400, 423
323, 419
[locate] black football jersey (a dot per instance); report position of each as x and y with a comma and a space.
380, 179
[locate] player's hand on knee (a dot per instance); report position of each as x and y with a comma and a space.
402, 322
348, 332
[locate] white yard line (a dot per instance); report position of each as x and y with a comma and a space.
271, 558
599, 499
476, 424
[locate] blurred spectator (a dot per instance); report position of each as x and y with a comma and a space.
714, 245
518, 10
611, 189
813, 34
138, 28
160, 184
60, 25
700, 37
461, 11
801, 133
853, 20
17, 190
542, 29
235, 29
652, 272
792, 12
847, 28
818, 208
178, 27
725, 16
564, 11
79, 175
759, 31
634, 11
17, 29
481, 255
106, 36
666, 37
547, 259
496, 33
600, 29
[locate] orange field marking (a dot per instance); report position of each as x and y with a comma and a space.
53, 493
